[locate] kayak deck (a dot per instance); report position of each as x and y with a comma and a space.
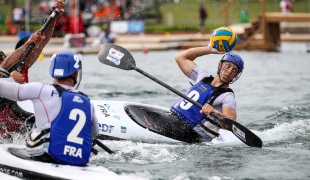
162, 122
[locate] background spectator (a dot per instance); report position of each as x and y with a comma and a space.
203, 15
18, 15
286, 6
62, 26
44, 10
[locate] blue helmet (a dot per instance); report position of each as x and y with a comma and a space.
64, 64
234, 58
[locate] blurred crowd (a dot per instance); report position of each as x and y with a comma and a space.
89, 12
79, 15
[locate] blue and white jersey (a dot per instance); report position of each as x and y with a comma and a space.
70, 134
71, 117
202, 92
189, 113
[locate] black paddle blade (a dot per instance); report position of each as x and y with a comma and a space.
243, 133
116, 56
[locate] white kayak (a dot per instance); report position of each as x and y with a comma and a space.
117, 120
15, 161
122, 120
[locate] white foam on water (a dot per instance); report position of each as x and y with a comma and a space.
281, 131
139, 153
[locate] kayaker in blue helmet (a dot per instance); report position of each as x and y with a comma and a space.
212, 92
65, 120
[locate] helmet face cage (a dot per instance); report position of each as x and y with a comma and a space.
78, 79
236, 77
237, 60
233, 80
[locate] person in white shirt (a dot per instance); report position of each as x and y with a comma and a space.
286, 6
65, 121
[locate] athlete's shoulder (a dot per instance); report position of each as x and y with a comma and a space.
197, 74
228, 97
32, 85
31, 90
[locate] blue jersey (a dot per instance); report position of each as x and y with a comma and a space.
70, 133
188, 112
202, 92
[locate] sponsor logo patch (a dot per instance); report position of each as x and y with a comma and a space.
115, 56
201, 88
58, 72
238, 133
77, 99
123, 129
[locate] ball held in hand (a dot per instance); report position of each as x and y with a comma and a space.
224, 39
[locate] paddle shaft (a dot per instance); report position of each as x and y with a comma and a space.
104, 147
168, 87
31, 46
173, 90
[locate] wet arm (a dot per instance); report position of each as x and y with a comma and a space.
33, 56
13, 58
227, 113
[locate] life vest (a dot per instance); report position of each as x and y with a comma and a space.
202, 92
70, 133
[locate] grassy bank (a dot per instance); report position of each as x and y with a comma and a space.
186, 18
6, 14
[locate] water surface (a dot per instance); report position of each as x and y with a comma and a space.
273, 97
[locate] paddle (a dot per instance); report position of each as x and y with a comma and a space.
20, 62
119, 57
104, 147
